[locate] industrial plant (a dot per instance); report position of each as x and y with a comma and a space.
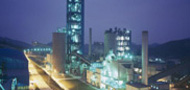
110, 65
67, 63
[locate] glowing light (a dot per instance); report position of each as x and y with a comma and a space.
75, 38
126, 56
110, 55
75, 26
131, 57
102, 86
122, 38
110, 74
93, 78
120, 82
128, 31
104, 63
127, 48
118, 38
136, 69
127, 38
104, 79
111, 88
104, 72
140, 77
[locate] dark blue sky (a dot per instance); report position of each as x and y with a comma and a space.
35, 20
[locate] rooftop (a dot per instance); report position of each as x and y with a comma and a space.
137, 85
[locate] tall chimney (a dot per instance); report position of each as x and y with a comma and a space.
90, 43
145, 57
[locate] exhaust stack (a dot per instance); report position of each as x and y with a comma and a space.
90, 43
145, 57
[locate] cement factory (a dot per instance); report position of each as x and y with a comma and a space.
110, 65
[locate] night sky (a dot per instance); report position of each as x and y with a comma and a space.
35, 20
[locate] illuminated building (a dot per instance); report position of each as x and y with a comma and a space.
59, 51
38, 49
110, 74
123, 41
119, 41
75, 27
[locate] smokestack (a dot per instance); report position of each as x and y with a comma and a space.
145, 57
90, 43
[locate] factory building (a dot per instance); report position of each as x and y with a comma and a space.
111, 74
119, 41
118, 71
59, 51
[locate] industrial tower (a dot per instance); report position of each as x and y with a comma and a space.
75, 27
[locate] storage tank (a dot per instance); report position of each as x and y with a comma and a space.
109, 41
59, 51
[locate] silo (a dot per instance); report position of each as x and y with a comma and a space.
59, 51
109, 41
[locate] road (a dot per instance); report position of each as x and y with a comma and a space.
36, 79
48, 80
66, 82
40, 78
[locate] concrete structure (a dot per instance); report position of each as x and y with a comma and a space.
59, 51
90, 43
75, 27
109, 41
145, 57
119, 41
